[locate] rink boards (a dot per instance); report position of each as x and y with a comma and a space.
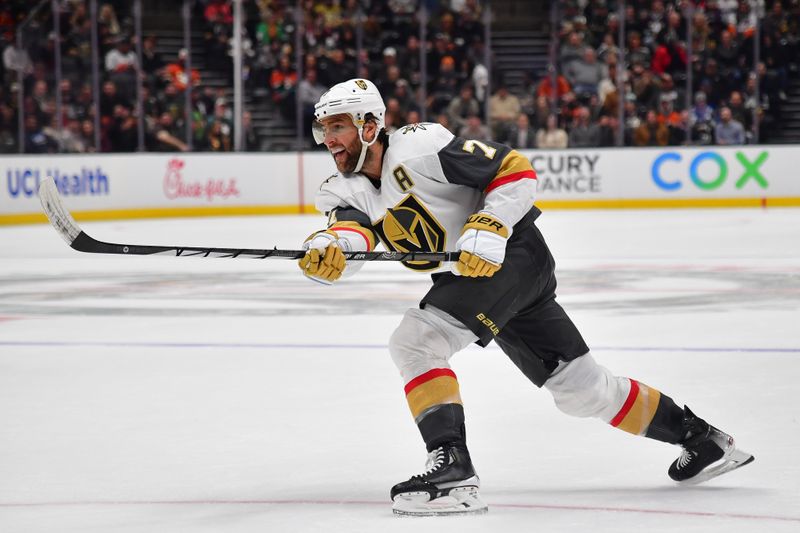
110, 186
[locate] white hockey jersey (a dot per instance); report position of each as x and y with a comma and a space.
431, 181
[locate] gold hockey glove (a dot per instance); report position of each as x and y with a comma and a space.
324, 261
483, 246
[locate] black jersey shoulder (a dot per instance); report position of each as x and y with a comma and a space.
471, 162
349, 214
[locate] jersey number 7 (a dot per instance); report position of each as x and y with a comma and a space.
470, 144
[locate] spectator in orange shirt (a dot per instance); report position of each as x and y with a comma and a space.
667, 114
175, 73
282, 83
545, 87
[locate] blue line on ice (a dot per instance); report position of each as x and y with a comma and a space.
232, 345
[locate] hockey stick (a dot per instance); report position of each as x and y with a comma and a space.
78, 240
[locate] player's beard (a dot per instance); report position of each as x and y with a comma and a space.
353, 151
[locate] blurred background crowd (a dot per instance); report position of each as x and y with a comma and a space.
583, 73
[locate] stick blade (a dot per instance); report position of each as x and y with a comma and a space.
59, 217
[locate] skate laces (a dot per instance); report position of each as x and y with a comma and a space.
435, 461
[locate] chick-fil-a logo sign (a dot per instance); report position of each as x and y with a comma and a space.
176, 187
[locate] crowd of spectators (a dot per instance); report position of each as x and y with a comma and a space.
709, 43
728, 96
163, 85
36, 61
340, 39
577, 104
378, 40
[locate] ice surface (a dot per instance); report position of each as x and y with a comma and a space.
168, 394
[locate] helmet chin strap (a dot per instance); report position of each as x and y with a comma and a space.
364, 146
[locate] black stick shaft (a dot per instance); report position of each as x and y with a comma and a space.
85, 243
62, 221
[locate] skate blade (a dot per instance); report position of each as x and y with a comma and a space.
730, 461
460, 501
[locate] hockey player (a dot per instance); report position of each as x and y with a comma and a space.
422, 188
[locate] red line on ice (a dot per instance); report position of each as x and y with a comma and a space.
669, 512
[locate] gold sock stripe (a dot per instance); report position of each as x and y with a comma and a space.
440, 389
640, 411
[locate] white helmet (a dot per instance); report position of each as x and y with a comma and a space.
357, 98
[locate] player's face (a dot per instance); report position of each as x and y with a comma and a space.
341, 139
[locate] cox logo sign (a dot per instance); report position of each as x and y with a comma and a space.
708, 170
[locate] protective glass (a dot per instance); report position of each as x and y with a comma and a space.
321, 131
318, 130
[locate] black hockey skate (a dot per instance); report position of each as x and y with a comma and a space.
707, 452
448, 487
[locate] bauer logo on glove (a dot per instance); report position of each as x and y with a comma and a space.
478, 220
482, 245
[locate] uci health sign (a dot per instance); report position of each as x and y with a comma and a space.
23, 182
107, 186
88, 182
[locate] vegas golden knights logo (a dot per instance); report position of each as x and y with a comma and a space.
413, 127
361, 84
409, 227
